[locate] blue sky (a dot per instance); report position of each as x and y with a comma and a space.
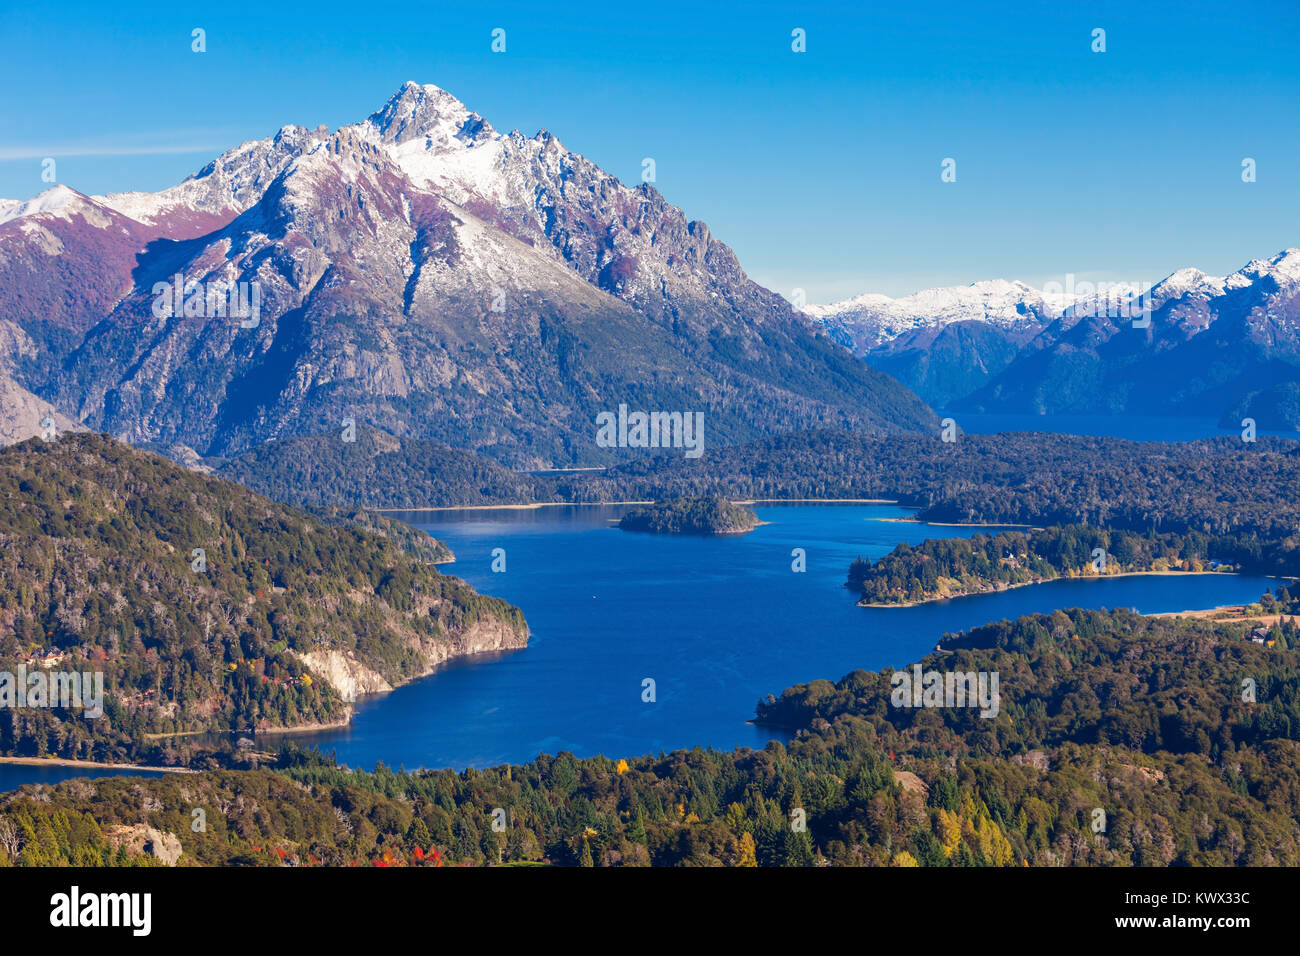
821, 169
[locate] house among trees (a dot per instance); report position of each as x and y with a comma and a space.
51, 658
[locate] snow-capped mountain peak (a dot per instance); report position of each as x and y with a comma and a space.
430, 115
55, 199
422, 272
1284, 268
874, 319
867, 300
1188, 282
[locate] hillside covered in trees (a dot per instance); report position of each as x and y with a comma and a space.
940, 568
1215, 486
1120, 740
377, 470
205, 606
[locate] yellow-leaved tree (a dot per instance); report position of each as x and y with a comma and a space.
993, 844
948, 828
748, 852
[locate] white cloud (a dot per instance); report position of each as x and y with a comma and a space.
90, 149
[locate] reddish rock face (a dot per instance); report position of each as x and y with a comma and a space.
423, 274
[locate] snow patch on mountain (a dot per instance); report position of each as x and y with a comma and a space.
1283, 268
872, 320
223, 189
59, 201
1013, 306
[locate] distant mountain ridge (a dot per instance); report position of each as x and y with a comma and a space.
871, 319
1202, 346
424, 274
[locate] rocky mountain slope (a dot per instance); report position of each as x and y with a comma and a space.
22, 414
1213, 345
424, 274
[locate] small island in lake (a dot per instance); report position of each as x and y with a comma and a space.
691, 516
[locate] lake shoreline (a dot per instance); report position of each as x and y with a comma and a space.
1025, 584
959, 524
329, 725
531, 506
1229, 614
580, 578
88, 764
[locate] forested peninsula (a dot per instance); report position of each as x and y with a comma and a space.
941, 568
207, 607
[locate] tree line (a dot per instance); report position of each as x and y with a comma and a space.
950, 567
1139, 723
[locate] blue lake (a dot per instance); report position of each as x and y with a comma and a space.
13, 776
715, 622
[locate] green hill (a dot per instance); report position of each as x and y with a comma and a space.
1119, 741
208, 607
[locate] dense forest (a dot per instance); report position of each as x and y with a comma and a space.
1121, 740
691, 516
377, 470
1215, 486
1183, 734
206, 607
951, 567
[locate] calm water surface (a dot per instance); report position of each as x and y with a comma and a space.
715, 622
13, 776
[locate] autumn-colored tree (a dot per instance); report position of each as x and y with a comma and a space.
748, 854
947, 826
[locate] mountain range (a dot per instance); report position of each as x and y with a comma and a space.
1190, 345
418, 272
428, 276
